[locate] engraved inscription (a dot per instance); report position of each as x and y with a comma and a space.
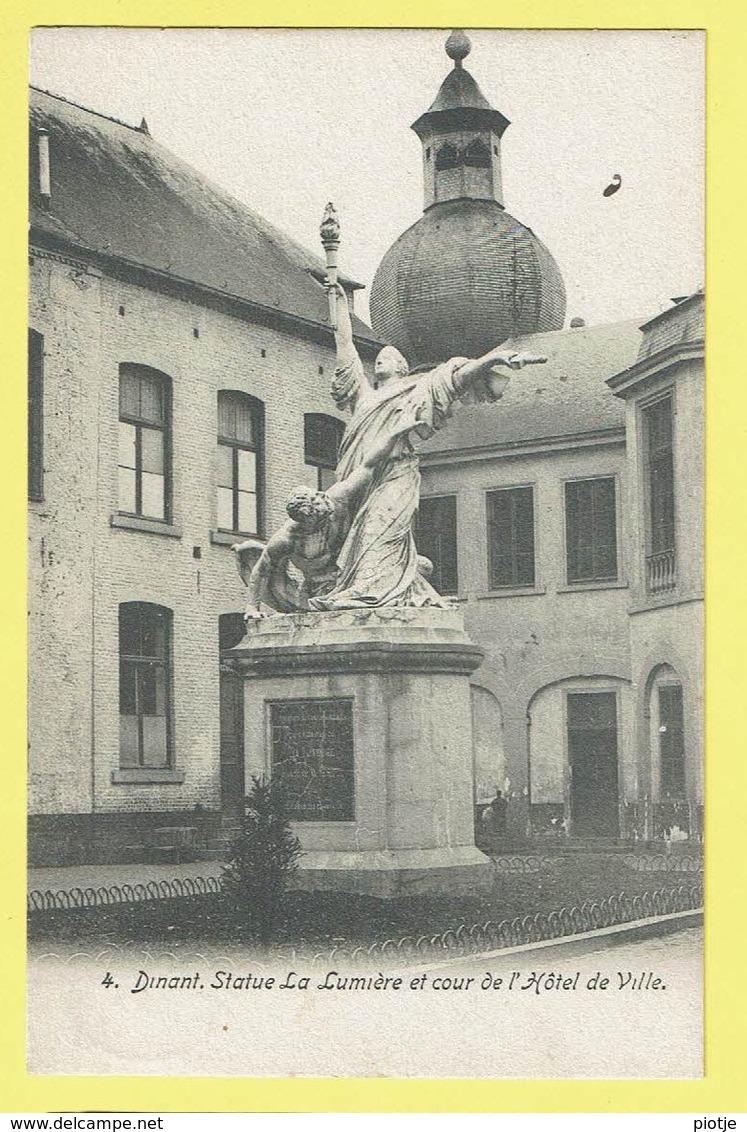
312, 755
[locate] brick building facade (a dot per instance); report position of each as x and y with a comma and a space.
152, 393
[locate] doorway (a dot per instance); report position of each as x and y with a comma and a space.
231, 630
592, 755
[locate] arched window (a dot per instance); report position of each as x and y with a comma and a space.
477, 155
322, 436
240, 434
144, 685
144, 442
447, 157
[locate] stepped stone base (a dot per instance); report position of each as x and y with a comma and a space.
365, 716
391, 873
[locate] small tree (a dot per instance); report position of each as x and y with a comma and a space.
264, 857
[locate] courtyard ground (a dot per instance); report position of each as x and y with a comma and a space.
524, 885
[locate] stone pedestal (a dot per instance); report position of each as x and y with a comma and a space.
366, 717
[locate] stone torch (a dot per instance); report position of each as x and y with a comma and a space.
329, 231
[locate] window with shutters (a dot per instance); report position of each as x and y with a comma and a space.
591, 530
322, 436
511, 538
436, 538
35, 415
144, 686
658, 465
240, 436
671, 741
144, 442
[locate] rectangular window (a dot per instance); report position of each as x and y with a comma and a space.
436, 538
312, 756
658, 462
591, 530
35, 415
671, 741
143, 442
144, 686
322, 438
511, 537
239, 453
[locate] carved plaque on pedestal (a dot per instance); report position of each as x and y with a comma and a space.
312, 756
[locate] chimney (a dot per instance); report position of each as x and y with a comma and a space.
45, 180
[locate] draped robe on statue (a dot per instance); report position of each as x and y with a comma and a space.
378, 564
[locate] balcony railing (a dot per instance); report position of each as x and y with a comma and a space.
661, 572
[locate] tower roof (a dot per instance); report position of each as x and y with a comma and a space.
459, 101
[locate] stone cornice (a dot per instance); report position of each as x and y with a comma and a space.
354, 657
540, 446
655, 366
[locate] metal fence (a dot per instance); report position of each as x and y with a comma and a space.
494, 935
462, 940
76, 898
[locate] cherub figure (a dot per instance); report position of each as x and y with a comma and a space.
299, 563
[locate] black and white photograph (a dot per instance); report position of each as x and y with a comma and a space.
365, 552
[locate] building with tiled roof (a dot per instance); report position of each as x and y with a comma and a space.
467, 275
567, 520
119, 195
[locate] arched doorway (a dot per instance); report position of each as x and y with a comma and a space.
576, 774
231, 630
490, 782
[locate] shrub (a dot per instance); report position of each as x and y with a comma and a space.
264, 857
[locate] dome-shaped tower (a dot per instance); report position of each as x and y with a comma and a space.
467, 275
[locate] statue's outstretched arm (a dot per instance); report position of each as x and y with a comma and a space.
477, 368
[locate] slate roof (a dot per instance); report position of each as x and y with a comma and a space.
460, 102
566, 396
118, 193
459, 89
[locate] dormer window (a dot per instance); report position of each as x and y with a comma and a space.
477, 155
447, 157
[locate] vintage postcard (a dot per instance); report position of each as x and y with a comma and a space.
366, 553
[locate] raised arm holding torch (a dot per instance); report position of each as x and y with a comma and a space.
329, 231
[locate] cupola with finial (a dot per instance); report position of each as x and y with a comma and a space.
467, 275
461, 136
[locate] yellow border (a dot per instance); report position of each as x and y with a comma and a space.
723, 1088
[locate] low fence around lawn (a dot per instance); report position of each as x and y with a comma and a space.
534, 928
462, 940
